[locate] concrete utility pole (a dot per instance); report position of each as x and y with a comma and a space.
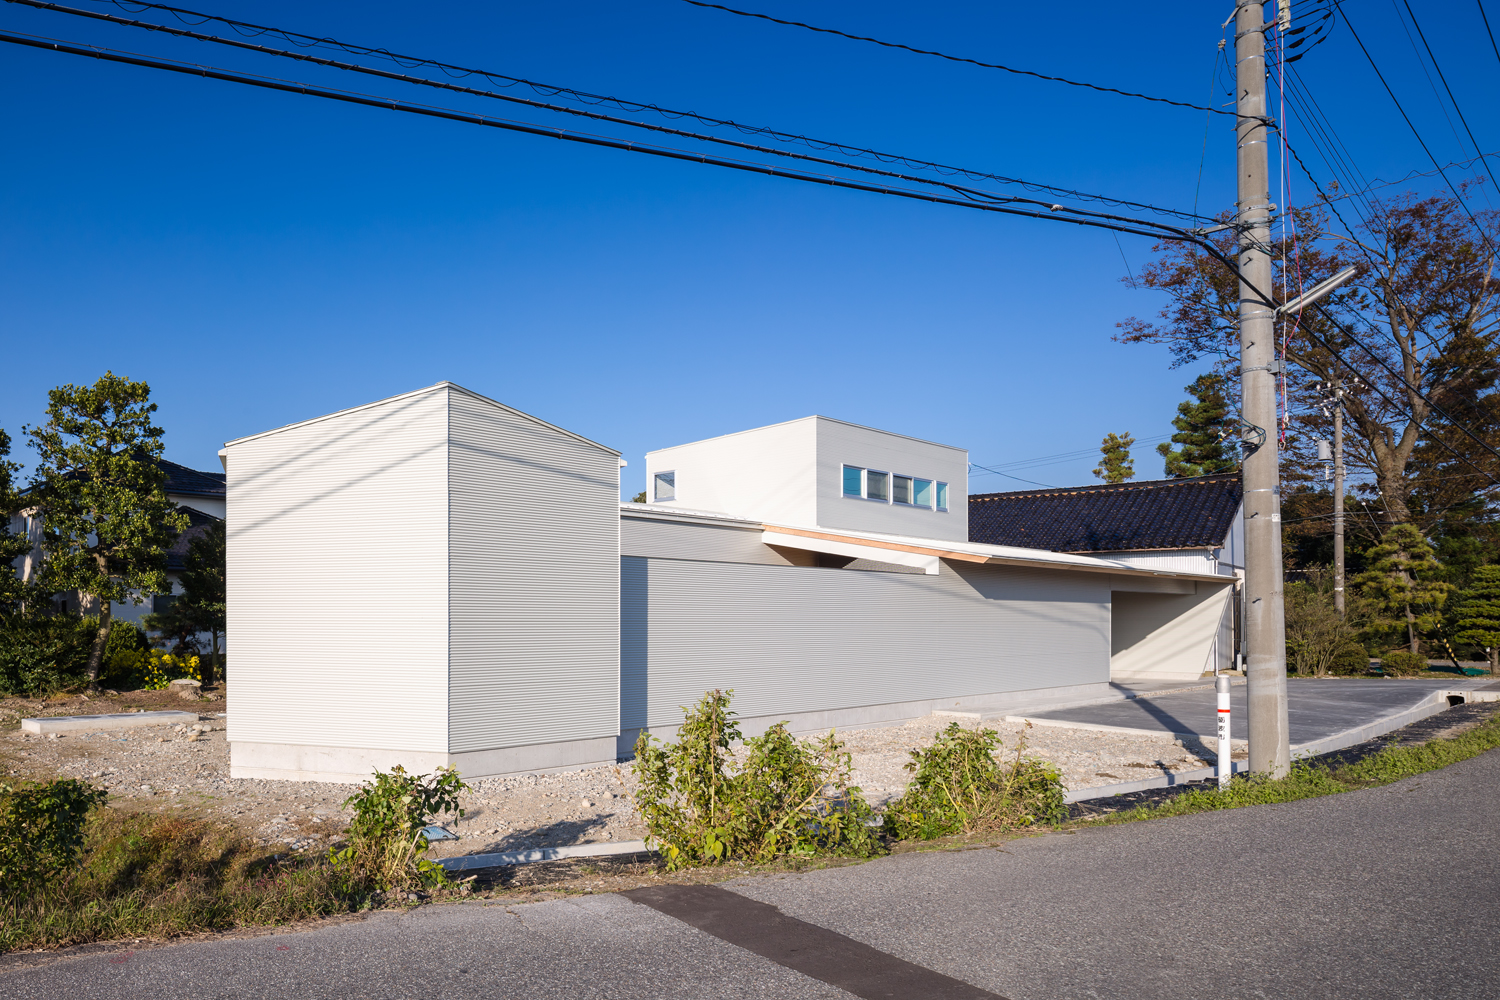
1265, 614
1338, 489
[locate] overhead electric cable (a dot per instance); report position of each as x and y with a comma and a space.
960, 59
1409, 124
1486, 18
1458, 110
969, 199
309, 41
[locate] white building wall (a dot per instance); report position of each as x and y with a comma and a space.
841, 443
338, 592
766, 473
840, 647
534, 590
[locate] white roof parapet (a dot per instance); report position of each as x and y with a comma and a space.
869, 545
680, 514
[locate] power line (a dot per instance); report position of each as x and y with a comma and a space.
499, 79
1460, 111
1486, 18
1407, 118
970, 199
959, 59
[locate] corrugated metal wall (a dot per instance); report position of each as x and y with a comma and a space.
337, 572
801, 639
534, 581
841, 444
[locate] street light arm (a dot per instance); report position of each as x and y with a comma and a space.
1316, 292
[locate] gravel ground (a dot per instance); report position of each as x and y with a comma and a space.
171, 768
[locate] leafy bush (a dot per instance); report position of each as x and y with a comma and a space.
386, 837
41, 830
164, 668
959, 787
1401, 663
144, 875
1351, 661
790, 797
41, 653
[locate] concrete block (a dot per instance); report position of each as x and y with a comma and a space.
467, 862
93, 723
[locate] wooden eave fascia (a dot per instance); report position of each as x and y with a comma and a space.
954, 555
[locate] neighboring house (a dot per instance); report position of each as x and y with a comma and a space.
461, 579
198, 494
1194, 525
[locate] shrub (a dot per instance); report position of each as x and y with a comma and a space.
1352, 660
790, 797
386, 837
41, 652
1401, 663
959, 787
127, 656
41, 830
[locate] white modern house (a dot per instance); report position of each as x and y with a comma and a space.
438, 578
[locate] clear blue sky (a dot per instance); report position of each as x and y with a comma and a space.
262, 258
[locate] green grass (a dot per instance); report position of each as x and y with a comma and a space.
144, 875
1310, 780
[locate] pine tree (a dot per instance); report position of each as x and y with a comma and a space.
1477, 614
12, 544
1203, 423
1116, 466
106, 519
1403, 580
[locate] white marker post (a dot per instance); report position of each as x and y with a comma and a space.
1223, 765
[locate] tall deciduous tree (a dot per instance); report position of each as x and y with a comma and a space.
1116, 465
1403, 579
1424, 301
1203, 425
1477, 614
105, 515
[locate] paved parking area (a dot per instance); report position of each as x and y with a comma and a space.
1316, 709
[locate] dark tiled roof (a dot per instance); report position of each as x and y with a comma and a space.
1161, 514
190, 482
198, 523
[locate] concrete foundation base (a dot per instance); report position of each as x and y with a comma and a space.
352, 765
991, 705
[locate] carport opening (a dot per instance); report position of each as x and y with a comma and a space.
1455, 699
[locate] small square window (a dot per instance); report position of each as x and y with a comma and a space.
875, 485
901, 489
665, 486
854, 481
942, 496
921, 492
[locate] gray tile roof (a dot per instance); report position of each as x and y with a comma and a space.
190, 482
1159, 514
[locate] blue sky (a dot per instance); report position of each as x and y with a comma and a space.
261, 258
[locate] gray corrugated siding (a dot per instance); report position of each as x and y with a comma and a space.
337, 572
534, 582
794, 639
644, 536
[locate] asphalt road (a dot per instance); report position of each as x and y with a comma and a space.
1389, 892
1316, 709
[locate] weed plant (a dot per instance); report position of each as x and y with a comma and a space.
386, 838
789, 797
145, 875
1311, 779
959, 787
41, 832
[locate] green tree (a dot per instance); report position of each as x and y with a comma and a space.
204, 599
106, 520
639, 497
13, 544
1404, 579
1477, 613
1116, 466
1203, 423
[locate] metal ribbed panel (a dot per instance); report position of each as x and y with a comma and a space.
794, 639
644, 536
337, 574
841, 444
534, 640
